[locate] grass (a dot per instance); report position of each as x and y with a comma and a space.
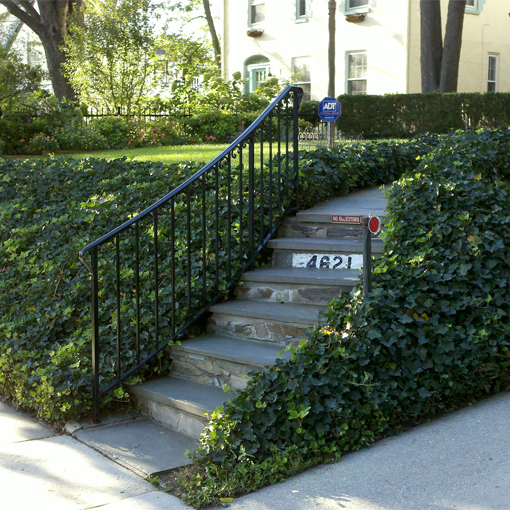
169, 154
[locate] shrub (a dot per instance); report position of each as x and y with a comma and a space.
43, 143
115, 130
406, 115
222, 125
80, 138
433, 335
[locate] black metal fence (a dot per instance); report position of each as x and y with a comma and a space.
143, 115
157, 274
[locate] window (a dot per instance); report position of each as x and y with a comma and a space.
474, 6
301, 75
35, 54
302, 10
256, 72
357, 73
356, 6
257, 13
492, 74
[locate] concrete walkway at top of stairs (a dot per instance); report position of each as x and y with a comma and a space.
366, 202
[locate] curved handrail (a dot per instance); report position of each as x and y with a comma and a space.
254, 198
243, 136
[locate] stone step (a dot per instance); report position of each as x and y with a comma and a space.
262, 320
323, 244
296, 285
322, 253
293, 227
179, 404
219, 360
138, 444
318, 221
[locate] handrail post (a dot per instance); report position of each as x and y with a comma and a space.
367, 258
251, 198
295, 141
95, 336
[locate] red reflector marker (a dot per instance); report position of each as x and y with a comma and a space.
374, 225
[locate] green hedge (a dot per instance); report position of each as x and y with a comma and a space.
407, 115
433, 335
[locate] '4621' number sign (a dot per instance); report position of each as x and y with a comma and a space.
327, 261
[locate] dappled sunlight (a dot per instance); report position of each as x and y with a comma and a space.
15, 427
62, 473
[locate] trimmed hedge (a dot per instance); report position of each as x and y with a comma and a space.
407, 115
433, 335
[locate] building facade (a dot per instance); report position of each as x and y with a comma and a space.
377, 45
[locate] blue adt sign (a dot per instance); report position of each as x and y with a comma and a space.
329, 109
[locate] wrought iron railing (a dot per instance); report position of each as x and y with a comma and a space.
158, 273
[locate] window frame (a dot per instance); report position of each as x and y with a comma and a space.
251, 4
495, 58
358, 9
251, 66
301, 18
300, 83
349, 80
476, 8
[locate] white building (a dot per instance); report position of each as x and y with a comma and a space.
377, 45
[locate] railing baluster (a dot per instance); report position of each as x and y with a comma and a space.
95, 335
204, 243
295, 140
286, 150
188, 241
137, 292
279, 113
117, 279
172, 260
270, 205
261, 185
156, 279
216, 228
241, 196
229, 217
251, 193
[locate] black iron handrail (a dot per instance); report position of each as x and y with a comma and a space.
159, 272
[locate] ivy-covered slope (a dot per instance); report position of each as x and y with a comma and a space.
50, 209
433, 335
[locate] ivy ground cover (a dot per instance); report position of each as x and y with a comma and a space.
51, 208
433, 335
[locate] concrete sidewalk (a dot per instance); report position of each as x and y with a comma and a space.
457, 462
42, 470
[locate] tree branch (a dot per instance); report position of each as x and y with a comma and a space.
30, 22
29, 8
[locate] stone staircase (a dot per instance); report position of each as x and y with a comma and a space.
314, 260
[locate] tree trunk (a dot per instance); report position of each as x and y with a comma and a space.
50, 24
55, 57
212, 30
452, 46
431, 45
331, 47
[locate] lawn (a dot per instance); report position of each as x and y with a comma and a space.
170, 154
